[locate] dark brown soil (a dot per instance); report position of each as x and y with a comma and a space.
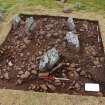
19, 57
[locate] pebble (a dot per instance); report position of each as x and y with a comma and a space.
55, 34
67, 64
40, 52
6, 76
10, 63
78, 69
25, 75
19, 82
73, 65
48, 35
77, 86
67, 10
26, 40
52, 87
44, 87
57, 82
44, 74
34, 72
20, 72
82, 73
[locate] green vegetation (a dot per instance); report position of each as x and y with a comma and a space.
87, 5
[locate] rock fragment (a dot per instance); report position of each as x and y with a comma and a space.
6, 76
10, 63
52, 87
44, 87
25, 75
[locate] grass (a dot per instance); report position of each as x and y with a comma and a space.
86, 5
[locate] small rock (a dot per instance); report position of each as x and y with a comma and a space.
28, 54
44, 74
40, 52
20, 72
67, 10
44, 87
32, 87
96, 62
10, 63
82, 73
77, 86
25, 75
19, 82
52, 87
26, 40
21, 54
6, 76
34, 72
77, 5
67, 64
55, 34
1, 77
78, 69
73, 65
48, 35
57, 82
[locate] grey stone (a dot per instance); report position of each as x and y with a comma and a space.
30, 24
15, 21
49, 59
77, 5
72, 39
67, 10
70, 24
25, 75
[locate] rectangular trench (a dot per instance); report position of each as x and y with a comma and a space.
20, 52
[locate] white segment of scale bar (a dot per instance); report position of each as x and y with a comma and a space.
92, 87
